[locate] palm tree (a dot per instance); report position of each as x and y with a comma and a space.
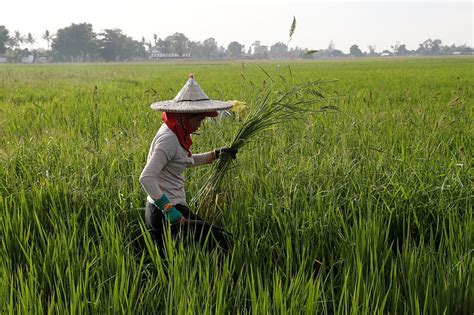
47, 37
17, 40
30, 40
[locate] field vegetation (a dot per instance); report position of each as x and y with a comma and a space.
365, 209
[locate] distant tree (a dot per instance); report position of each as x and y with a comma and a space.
143, 42
47, 37
395, 48
429, 47
30, 40
134, 48
149, 45
465, 50
355, 51
260, 51
331, 47
278, 50
75, 43
16, 40
235, 49
179, 43
209, 47
336, 53
222, 52
111, 44
196, 49
402, 50
4, 39
435, 47
296, 52
256, 44
163, 46
116, 46
372, 50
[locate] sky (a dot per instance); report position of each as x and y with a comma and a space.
379, 23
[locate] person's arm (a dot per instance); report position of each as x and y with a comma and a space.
203, 158
211, 156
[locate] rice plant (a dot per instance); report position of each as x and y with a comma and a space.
267, 109
363, 210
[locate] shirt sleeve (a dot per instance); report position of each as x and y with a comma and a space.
161, 155
203, 158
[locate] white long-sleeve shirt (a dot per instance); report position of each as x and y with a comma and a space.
166, 162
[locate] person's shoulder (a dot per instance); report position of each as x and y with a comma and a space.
166, 136
166, 132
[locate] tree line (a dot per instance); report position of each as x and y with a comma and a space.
79, 43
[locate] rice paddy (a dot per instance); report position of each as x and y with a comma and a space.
364, 209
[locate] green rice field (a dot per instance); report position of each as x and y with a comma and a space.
367, 209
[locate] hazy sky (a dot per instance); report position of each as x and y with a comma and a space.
380, 23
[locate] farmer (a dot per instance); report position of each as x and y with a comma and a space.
170, 154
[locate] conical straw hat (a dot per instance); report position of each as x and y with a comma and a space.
191, 99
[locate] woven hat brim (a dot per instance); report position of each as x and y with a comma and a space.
191, 106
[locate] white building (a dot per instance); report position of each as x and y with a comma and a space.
28, 59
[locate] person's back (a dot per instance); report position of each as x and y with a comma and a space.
167, 156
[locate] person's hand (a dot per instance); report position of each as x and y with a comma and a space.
173, 215
222, 152
170, 211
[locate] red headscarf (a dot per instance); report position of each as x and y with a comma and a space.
179, 124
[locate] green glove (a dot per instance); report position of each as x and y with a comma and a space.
170, 212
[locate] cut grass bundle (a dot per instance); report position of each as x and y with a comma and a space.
269, 108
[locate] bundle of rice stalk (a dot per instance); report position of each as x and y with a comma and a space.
269, 108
